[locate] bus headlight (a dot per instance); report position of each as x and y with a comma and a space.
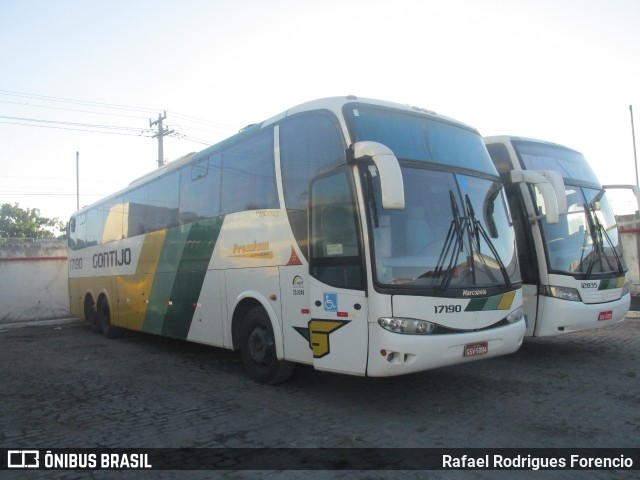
516, 315
563, 293
409, 326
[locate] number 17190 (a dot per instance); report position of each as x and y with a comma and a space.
447, 308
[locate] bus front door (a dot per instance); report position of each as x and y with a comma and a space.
338, 332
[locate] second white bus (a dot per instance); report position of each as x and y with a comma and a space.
574, 276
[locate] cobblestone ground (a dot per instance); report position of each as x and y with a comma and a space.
64, 386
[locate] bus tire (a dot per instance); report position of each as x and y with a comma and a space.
103, 317
258, 350
91, 314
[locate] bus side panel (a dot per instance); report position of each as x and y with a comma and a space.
76, 298
210, 312
258, 284
181, 270
294, 293
133, 295
164, 279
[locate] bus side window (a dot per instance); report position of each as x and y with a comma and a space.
200, 189
135, 207
309, 143
162, 209
113, 214
94, 226
248, 175
77, 232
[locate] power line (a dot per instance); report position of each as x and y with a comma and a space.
57, 179
69, 128
196, 140
107, 105
77, 102
93, 112
73, 124
101, 128
51, 194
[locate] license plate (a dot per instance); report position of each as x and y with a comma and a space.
605, 315
473, 349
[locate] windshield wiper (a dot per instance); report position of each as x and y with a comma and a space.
598, 234
455, 239
476, 229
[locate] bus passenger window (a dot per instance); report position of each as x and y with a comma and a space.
309, 143
248, 175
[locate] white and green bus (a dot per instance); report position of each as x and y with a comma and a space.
574, 277
357, 236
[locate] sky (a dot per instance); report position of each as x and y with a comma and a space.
88, 76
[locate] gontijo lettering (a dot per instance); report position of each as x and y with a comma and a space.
112, 258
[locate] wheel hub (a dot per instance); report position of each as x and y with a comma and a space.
260, 346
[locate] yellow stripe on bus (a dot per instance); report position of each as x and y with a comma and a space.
507, 300
134, 290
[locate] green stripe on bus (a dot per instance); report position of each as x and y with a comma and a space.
496, 302
189, 278
163, 281
476, 305
493, 302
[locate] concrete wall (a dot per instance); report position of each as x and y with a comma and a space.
33, 280
630, 235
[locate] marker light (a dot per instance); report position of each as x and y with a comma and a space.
409, 326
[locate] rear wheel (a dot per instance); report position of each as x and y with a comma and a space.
258, 349
90, 313
103, 317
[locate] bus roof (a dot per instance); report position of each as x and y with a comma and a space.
513, 138
333, 104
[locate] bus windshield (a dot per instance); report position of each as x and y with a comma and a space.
455, 232
585, 241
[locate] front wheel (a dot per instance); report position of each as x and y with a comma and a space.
258, 350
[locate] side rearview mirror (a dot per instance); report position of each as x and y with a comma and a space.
555, 179
391, 183
547, 190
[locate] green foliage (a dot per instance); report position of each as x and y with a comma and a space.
16, 222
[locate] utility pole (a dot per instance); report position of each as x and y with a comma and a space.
162, 131
633, 136
77, 180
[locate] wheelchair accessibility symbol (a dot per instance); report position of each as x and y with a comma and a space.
330, 302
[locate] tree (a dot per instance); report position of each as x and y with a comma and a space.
16, 222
